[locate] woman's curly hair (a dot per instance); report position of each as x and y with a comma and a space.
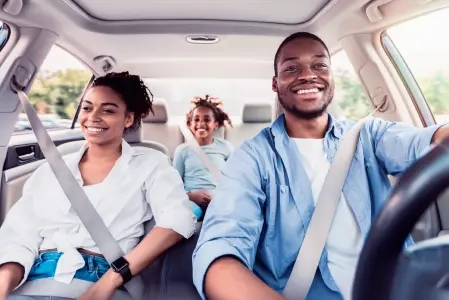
212, 103
136, 95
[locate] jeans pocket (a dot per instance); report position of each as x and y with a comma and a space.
44, 267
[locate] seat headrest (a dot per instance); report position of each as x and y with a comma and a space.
160, 112
257, 113
133, 136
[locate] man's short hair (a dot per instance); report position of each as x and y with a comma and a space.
292, 37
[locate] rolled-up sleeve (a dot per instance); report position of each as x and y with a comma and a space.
169, 202
234, 218
399, 145
19, 234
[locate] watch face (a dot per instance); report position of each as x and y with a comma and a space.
119, 264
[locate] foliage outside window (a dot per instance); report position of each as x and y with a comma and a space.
56, 90
427, 57
350, 96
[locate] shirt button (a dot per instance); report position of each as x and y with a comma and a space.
282, 189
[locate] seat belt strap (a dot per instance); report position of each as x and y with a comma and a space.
315, 238
78, 198
191, 141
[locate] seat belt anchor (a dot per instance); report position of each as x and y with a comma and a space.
20, 79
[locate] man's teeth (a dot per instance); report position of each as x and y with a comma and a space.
93, 129
314, 90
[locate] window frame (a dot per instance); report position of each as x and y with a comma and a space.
408, 79
80, 100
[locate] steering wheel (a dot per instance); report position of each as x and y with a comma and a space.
384, 272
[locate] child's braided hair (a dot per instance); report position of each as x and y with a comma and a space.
215, 105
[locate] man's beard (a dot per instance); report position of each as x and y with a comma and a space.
301, 114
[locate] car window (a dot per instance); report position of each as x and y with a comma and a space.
56, 90
350, 99
178, 92
426, 60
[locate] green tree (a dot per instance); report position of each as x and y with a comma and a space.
352, 100
436, 91
60, 90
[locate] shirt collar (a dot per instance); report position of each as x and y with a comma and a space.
125, 157
334, 126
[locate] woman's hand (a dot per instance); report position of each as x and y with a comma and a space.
10, 276
202, 199
104, 288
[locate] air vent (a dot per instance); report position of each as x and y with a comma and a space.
202, 39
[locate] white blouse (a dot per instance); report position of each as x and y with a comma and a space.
141, 185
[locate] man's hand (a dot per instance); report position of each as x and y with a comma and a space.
104, 288
440, 134
202, 199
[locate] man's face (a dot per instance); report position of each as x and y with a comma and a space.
304, 84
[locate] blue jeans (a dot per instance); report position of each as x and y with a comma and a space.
45, 267
197, 210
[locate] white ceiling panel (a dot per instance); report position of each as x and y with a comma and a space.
271, 11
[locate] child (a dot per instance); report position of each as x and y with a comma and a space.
203, 119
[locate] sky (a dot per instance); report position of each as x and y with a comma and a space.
421, 41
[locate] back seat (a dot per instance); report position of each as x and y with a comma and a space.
170, 276
158, 128
255, 117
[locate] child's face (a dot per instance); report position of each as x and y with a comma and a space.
203, 122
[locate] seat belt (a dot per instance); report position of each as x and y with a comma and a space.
77, 197
304, 269
191, 141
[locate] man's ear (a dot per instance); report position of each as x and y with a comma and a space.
274, 84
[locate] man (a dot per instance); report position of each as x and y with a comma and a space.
256, 222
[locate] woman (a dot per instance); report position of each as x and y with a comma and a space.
43, 238
203, 119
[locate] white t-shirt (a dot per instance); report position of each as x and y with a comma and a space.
344, 241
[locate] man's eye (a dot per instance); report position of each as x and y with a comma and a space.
320, 66
291, 68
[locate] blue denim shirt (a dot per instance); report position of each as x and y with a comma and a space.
264, 203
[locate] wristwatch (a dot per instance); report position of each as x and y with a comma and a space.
121, 266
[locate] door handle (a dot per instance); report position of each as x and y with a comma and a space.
26, 157
26, 153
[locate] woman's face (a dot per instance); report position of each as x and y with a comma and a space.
203, 122
103, 116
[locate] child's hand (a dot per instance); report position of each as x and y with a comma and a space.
202, 199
